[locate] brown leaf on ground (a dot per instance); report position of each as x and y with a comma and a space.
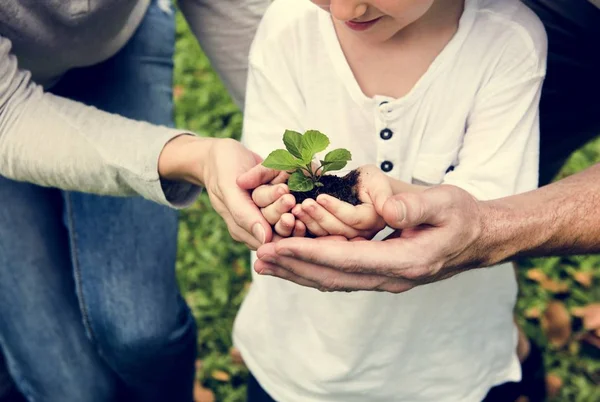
556, 324
199, 365
522, 398
220, 375
533, 312
536, 275
590, 315
236, 356
585, 279
553, 384
554, 286
177, 92
202, 394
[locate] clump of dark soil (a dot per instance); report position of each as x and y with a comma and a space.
343, 188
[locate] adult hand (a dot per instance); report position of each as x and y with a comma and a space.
216, 164
438, 235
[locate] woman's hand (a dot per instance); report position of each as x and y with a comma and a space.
216, 163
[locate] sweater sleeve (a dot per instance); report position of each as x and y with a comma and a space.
55, 142
225, 29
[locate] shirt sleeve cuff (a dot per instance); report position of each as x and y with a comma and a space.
174, 194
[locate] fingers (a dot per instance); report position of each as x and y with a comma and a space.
286, 225
378, 257
327, 221
325, 278
244, 219
359, 217
264, 268
310, 224
273, 212
256, 176
299, 229
267, 194
408, 210
375, 186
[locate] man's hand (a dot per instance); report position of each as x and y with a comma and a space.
438, 236
216, 164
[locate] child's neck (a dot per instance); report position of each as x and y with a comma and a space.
392, 68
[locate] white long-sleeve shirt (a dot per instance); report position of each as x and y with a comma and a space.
472, 121
51, 141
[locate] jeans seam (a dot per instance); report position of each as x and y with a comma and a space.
76, 267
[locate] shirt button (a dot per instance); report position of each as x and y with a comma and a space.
384, 107
386, 134
387, 166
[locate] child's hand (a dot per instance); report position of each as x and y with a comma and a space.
275, 203
331, 216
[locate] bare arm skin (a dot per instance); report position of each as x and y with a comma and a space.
559, 219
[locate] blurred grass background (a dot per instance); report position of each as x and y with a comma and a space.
214, 272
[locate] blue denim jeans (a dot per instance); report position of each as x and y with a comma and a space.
90, 310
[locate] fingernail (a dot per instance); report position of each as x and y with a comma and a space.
259, 233
266, 271
322, 200
400, 211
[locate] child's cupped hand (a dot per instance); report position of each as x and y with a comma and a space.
275, 203
331, 216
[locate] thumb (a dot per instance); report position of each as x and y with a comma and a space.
409, 210
255, 177
379, 196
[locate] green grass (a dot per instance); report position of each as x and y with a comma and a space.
213, 270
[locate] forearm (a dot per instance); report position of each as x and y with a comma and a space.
55, 142
558, 219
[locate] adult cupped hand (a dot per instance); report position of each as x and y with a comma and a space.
228, 160
438, 235
216, 163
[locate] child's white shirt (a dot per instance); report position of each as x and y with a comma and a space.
475, 110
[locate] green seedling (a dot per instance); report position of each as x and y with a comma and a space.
297, 159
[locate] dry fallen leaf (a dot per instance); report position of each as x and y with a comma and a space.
554, 286
584, 278
198, 365
590, 315
536, 275
177, 92
522, 398
553, 385
236, 356
202, 394
556, 324
220, 375
533, 312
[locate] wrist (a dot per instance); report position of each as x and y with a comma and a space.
184, 158
510, 229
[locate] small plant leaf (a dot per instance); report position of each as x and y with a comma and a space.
313, 142
336, 160
281, 159
298, 182
293, 142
